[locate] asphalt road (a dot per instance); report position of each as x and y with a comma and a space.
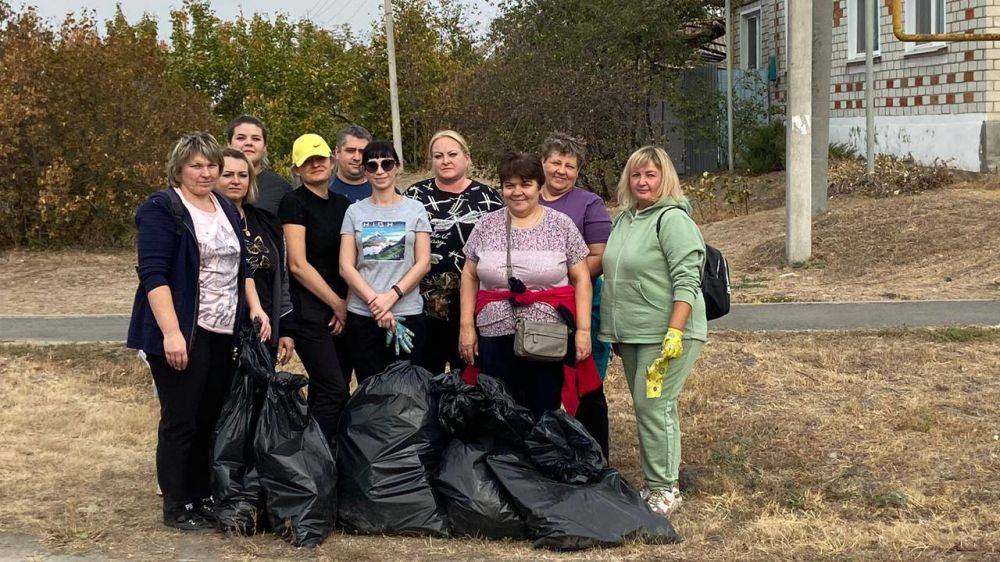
749, 317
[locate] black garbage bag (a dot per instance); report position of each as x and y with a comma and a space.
561, 516
476, 503
297, 468
235, 483
562, 448
484, 409
389, 447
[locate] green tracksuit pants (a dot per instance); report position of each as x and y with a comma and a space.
657, 418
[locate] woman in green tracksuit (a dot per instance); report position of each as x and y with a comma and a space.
653, 310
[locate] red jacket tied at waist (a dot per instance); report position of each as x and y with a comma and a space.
579, 378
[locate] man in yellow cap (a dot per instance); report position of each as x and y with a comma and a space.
311, 217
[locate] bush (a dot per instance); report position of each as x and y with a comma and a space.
88, 120
763, 149
842, 150
893, 176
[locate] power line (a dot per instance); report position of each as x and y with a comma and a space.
360, 4
314, 6
325, 9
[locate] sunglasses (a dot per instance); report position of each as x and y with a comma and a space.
387, 164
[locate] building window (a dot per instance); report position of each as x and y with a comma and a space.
751, 39
924, 16
856, 32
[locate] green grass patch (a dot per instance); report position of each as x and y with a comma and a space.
750, 282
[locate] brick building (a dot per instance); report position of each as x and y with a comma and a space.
933, 101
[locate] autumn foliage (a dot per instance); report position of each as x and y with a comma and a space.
85, 122
88, 110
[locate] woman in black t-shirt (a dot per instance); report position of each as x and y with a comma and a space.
265, 249
454, 204
311, 217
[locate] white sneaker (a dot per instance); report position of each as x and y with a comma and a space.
664, 502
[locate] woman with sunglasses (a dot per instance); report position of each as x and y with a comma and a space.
384, 253
527, 261
265, 248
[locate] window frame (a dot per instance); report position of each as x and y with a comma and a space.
910, 26
753, 12
852, 32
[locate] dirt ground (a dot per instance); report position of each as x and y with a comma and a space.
870, 446
941, 244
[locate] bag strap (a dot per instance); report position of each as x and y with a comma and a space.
659, 220
176, 209
510, 270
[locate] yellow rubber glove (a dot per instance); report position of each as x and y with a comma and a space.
672, 344
672, 349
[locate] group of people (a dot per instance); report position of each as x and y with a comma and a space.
352, 271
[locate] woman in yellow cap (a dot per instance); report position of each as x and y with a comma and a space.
311, 216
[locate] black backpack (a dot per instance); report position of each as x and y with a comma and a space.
714, 279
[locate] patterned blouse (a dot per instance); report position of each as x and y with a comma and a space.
452, 216
540, 257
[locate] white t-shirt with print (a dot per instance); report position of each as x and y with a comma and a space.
218, 272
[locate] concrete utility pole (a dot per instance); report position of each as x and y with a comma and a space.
870, 17
397, 131
822, 59
729, 83
798, 188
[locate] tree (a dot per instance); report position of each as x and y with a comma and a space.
78, 156
296, 77
588, 67
433, 45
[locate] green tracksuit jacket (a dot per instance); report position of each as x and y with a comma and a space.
645, 272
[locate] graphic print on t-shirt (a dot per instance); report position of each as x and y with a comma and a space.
383, 240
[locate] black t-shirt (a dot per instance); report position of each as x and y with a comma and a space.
263, 253
452, 215
271, 188
322, 219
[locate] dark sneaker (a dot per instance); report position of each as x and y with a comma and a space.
187, 520
206, 508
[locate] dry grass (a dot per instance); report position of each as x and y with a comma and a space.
820, 446
67, 282
940, 244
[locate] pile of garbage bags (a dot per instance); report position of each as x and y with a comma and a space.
272, 467
416, 454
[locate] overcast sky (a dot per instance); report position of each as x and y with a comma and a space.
359, 14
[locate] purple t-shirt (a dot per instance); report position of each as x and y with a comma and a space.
588, 213
540, 257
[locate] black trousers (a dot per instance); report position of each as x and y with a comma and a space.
327, 388
593, 414
190, 402
367, 341
442, 346
345, 356
535, 385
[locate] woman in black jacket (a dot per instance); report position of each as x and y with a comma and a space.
265, 249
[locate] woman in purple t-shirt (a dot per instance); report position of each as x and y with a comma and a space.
563, 156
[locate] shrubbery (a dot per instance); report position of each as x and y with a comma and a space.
85, 123
893, 176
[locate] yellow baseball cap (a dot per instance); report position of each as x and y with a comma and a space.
307, 146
